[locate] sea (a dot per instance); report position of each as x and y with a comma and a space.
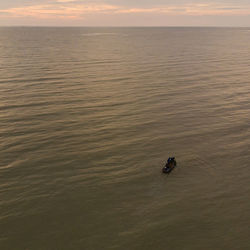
88, 118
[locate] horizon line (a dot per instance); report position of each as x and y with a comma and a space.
122, 26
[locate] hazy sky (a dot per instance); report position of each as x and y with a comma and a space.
125, 12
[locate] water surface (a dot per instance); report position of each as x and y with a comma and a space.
88, 118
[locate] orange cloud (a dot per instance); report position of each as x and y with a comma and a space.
69, 9
192, 10
65, 1
55, 11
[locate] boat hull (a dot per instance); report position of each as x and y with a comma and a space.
169, 167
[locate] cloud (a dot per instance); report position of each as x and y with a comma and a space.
77, 9
65, 1
55, 11
192, 10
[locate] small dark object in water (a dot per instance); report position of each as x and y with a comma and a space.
170, 165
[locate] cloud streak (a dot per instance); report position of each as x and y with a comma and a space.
71, 9
58, 11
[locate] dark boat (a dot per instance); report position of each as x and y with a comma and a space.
170, 165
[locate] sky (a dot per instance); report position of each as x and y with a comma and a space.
125, 13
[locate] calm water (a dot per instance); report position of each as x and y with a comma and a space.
88, 118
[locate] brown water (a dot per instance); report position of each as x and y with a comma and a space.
90, 115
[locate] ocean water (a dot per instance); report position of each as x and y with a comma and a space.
89, 117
